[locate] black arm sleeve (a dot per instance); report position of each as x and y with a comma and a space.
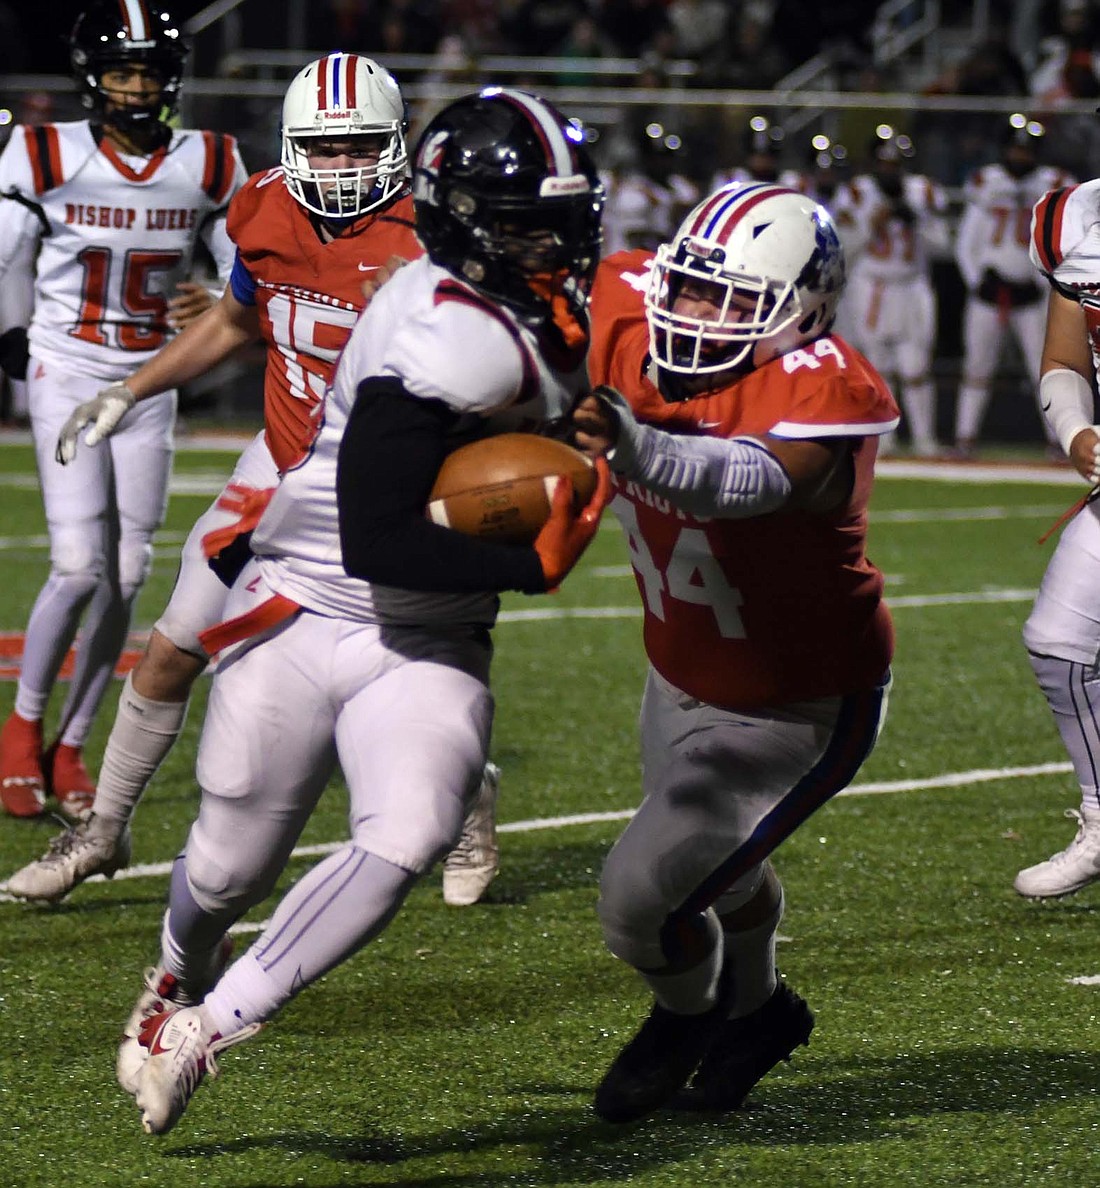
389, 456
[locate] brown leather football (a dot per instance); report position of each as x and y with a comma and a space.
501, 487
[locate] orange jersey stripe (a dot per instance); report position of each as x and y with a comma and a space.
217, 174
44, 152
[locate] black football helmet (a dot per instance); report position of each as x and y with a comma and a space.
507, 198
110, 33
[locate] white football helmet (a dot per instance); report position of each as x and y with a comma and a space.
338, 96
773, 249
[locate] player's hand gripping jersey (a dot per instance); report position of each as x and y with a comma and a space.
442, 342
115, 235
308, 295
767, 609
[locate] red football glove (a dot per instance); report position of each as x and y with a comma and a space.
566, 534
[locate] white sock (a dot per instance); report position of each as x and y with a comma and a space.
970, 409
143, 734
245, 994
695, 990
751, 952
919, 402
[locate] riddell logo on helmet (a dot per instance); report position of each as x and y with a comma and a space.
705, 251
553, 187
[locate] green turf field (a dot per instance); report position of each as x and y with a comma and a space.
953, 1046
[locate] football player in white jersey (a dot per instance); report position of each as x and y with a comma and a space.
1062, 633
362, 632
104, 214
891, 221
1003, 293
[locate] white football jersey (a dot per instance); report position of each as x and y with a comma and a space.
638, 212
444, 342
1065, 246
901, 252
115, 234
994, 231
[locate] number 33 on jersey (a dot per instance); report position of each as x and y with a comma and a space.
761, 610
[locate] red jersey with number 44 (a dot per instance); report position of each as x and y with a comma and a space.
309, 295
768, 609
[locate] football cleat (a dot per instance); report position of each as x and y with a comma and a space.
22, 785
1070, 869
70, 858
745, 1049
69, 781
472, 865
163, 995
658, 1061
180, 1050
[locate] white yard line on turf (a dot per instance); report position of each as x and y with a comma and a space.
957, 779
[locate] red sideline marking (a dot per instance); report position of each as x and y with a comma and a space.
11, 655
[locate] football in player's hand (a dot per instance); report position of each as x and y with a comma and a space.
501, 487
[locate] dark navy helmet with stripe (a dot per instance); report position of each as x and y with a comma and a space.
116, 33
508, 199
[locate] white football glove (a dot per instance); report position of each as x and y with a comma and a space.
103, 413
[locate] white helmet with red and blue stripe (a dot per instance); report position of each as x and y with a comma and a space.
769, 261
333, 98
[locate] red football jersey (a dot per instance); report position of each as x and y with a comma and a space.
309, 295
769, 609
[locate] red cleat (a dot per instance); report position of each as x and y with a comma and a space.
69, 781
22, 787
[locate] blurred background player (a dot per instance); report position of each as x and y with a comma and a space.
761, 151
827, 169
1062, 633
891, 220
365, 634
768, 640
104, 214
1004, 296
648, 190
308, 234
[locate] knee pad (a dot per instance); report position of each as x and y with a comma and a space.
219, 885
77, 563
135, 559
632, 918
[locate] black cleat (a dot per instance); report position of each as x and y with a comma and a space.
746, 1049
658, 1061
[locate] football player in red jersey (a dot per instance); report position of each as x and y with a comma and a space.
742, 435
308, 234
101, 218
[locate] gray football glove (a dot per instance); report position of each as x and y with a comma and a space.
103, 414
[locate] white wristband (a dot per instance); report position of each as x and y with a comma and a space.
1067, 403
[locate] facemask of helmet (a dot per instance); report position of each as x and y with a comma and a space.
331, 100
771, 264
109, 35
507, 198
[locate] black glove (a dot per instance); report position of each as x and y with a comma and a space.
14, 352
